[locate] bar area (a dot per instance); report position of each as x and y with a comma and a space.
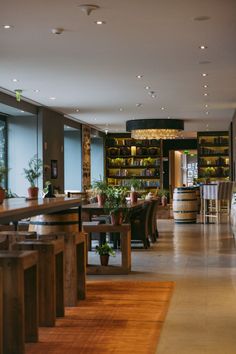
118, 177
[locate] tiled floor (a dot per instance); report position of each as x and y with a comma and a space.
202, 261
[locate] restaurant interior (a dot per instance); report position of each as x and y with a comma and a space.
117, 177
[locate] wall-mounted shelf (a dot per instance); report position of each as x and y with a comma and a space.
213, 155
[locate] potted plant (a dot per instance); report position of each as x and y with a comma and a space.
135, 185
100, 188
163, 194
31, 173
105, 251
3, 173
114, 202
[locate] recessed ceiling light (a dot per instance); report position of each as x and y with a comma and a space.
7, 26
205, 94
153, 96
201, 18
202, 47
77, 110
100, 22
22, 111
205, 86
147, 87
15, 80
139, 76
204, 74
52, 98
206, 105
162, 108
121, 109
37, 91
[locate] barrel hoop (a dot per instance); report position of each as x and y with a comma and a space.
190, 221
54, 222
185, 211
64, 212
184, 192
184, 200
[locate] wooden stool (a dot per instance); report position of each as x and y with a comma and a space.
75, 264
51, 278
125, 236
20, 300
8, 238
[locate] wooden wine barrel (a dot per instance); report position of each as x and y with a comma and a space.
185, 205
63, 221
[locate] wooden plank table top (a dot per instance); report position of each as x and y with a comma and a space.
15, 209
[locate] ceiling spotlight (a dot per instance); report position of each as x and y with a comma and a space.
88, 8
153, 96
100, 22
206, 105
22, 111
147, 88
162, 108
201, 18
121, 109
15, 80
77, 110
37, 91
106, 131
205, 94
204, 74
7, 26
202, 47
205, 86
139, 76
57, 30
52, 98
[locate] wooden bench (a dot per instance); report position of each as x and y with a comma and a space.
20, 299
125, 236
51, 278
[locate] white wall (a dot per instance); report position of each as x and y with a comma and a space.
72, 159
22, 145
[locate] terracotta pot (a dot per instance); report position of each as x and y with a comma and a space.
116, 218
104, 258
33, 192
164, 200
133, 197
101, 199
2, 195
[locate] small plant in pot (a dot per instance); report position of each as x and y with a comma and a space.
114, 202
135, 185
105, 251
32, 173
3, 173
163, 194
100, 189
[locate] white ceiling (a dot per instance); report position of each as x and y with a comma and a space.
93, 68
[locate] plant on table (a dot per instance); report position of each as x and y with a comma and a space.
105, 251
135, 185
163, 194
100, 189
114, 202
32, 173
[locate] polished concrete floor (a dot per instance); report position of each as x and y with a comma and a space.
201, 259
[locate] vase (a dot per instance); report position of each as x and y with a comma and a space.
104, 258
133, 197
164, 200
116, 218
101, 199
33, 192
2, 195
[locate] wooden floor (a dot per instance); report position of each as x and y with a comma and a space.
117, 317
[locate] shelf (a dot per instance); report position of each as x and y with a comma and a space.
132, 167
212, 155
156, 156
212, 165
129, 177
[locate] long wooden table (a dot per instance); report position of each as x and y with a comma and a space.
15, 209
